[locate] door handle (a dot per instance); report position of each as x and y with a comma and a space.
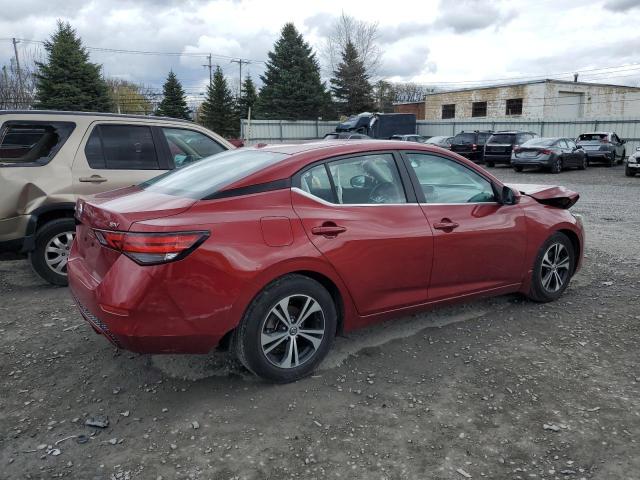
445, 224
93, 179
328, 229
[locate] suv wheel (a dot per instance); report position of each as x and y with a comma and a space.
624, 154
583, 163
612, 161
490, 164
287, 329
553, 269
53, 243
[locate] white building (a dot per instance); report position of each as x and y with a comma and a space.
543, 100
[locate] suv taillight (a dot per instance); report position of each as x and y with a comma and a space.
152, 248
474, 146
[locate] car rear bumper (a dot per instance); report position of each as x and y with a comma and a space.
633, 166
136, 309
599, 156
531, 162
473, 156
497, 158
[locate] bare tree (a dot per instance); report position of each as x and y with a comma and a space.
411, 92
363, 35
17, 88
129, 97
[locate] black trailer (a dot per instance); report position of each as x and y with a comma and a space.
380, 125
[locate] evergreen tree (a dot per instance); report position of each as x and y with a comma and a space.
248, 98
173, 102
218, 111
350, 83
292, 87
68, 81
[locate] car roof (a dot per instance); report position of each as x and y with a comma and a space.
299, 155
91, 114
596, 133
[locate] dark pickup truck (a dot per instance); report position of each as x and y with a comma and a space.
471, 144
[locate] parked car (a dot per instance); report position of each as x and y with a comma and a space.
345, 136
49, 159
500, 145
409, 138
441, 141
604, 147
633, 164
471, 144
270, 252
554, 154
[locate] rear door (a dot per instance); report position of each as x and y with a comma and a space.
115, 155
479, 244
357, 212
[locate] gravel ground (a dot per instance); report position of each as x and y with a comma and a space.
500, 389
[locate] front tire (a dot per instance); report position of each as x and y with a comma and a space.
583, 163
556, 165
53, 243
553, 269
287, 329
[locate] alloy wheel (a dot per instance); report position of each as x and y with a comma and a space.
292, 331
555, 267
56, 253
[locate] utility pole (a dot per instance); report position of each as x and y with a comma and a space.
240, 61
15, 51
209, 66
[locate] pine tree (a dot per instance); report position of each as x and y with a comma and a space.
248, 98
218, 111
68, 81
350, 83
292, 87
173, 102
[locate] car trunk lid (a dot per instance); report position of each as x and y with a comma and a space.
556, 196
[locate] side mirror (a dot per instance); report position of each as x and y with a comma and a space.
509, 196
359, 181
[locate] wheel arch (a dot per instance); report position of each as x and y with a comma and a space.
42, 215
575, 243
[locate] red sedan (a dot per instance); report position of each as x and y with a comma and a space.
272, 250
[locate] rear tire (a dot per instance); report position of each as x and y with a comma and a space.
556, 165
624, 154
583, 164
53, 243
517, 169
287, 348
629, 172
612, 161
491, 164
549, 283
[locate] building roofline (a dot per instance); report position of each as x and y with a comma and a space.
533, 82
90, 114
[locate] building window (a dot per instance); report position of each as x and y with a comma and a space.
449, 111
514, 106
479, 109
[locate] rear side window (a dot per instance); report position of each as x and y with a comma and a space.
121, 147
204, 179
25, 143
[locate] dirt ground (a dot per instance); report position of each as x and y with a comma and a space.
498, 389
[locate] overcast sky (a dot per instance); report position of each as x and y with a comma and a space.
426, 41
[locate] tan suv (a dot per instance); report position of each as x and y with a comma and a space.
48, 159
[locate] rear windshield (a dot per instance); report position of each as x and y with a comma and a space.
209, 175
464, 138
509, 138
32, 143
587, 137
540, 142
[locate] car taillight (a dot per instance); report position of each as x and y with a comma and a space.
546, 151
604, 140
152, 248
516, 148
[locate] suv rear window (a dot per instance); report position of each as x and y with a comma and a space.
589, 137
121, 147
205, 178
508, 138
464, 138
32, 143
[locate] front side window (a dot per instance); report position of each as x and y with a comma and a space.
479, 109
121, 147
32, 142
446, 181
188, 146
483, 137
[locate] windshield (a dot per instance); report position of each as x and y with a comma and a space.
592, 137
540, 142
464, 138
208, 176
509, 138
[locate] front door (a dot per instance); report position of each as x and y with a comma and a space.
479, 244
356, 212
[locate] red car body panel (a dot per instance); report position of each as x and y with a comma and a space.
389, 259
